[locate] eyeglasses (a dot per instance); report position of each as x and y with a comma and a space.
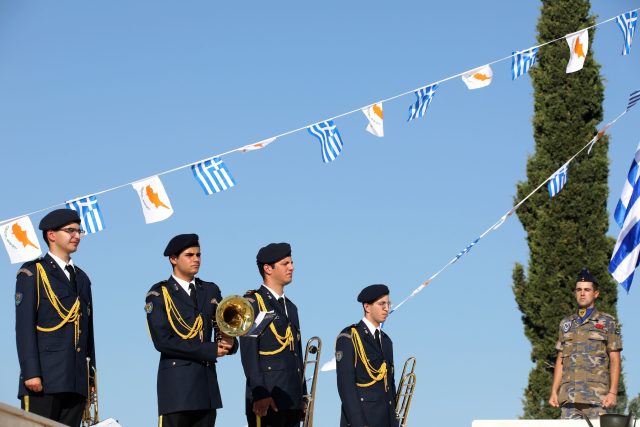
383, 304
71, 231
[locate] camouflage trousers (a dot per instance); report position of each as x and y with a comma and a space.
571, 411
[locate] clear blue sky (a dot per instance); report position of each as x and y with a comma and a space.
97, 94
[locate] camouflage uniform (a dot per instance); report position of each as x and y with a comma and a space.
585, 348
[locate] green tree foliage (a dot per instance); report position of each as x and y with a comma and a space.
568, 232
634, 405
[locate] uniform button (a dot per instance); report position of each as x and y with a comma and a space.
298, 370
78, 349
173, 363
269, 368
361, 399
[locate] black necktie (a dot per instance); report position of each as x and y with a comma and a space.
72, 277
377, 336
192, 293
284, 308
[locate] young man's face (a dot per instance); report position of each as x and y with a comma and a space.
378, 310
187, 264
66, 239
281, 272
586, 294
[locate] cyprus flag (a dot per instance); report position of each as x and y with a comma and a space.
374, 114
480, 77
578, 47
154, 200
20, 240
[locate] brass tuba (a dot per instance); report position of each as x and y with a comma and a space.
405, 390
311, 357
90, 412
234, 316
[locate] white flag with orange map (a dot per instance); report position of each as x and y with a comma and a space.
257, 145
480, 77
578, 47
376, 123
154, 200
21, 240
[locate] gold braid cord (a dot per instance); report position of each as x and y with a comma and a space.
172, 311
67, 316
375, 374
284, 341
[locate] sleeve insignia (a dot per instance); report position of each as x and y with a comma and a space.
214, 300
345, 335
566, 326
18, 298
153, 294
148, 307
338, 356
250, 299
25, 271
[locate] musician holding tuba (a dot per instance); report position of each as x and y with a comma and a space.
364, 364
272, 361
180, 315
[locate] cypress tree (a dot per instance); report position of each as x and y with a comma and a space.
568, 232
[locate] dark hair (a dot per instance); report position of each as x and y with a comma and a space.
261, 268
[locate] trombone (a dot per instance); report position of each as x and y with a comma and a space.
90, 412
311, 357
405, 390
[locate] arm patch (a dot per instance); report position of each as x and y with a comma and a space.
153, 293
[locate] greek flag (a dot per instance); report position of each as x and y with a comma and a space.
557, 180
521, 61
329, 137
625, 253
627, 24
89, 212
213, 176
464, 251
627, 191
424, 95
634, 98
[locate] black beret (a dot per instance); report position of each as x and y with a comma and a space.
56, 219
180, 243
585, 276
372, 293
273, 252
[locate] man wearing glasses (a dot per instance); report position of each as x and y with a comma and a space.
54, 325
588, 364
364, 363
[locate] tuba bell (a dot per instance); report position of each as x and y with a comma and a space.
90, 412
312, 358
234, 316
405, 390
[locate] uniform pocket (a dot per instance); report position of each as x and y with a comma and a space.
173, 363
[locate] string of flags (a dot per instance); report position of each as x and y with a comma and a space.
214, 176
626, 255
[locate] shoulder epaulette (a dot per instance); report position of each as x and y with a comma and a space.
250, 292
25, 271
344, 335
153, 293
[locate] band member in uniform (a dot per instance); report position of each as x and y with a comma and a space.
272, 361
364, 364
181, 314
54, 325
587, 368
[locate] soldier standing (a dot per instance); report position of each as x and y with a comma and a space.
180, 314
54, 325
364, 365
272, 361
587, 368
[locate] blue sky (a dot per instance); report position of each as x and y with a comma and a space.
98, 94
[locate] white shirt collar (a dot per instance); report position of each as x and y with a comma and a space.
276, 296
184, 284
370, 326
274, 293
62, 264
